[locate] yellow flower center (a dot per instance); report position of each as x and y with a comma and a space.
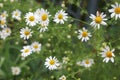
60, 16
87, 61
26, 50
44, 17
52, 62
3, 15
31, 18
35, 46
109, 54
16, 14
2, 22
98, 19
117, 10
84, 34
26, 33
7, 30
16, 70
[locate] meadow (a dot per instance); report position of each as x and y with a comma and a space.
59, 40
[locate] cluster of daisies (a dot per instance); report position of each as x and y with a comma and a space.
97, 21
6, 31
29, 49
41, 18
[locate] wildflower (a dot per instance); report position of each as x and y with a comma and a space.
5, 33
26, 51
62, 77
51, 63
84, 35
31, 19
36, 47
25, 33
4, 14
15, 70
43, 17
60, 17
2, 22
115, 11
98, 20
107, 54
16, 14
87, 62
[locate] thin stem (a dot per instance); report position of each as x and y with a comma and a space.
80, 21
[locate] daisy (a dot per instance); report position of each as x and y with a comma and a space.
36, 46
25, 33
3, 35
107, 54
4, 14
7, 31
60, 17
15, 70
31, 19
87, 62
115, 11
84, 35
16, 14
51, 63
62, 77
26, 51
43, 17
98, 20
2, 22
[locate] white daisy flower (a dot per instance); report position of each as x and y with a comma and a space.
62, 77
60, 17
3, 35
87, 62
51, 63
31, 19
4, 14
16, 14
43, 16
7, 31
115, 11
36, 46
15, 70
84, 35
107, 54
98, 20
26, 51
25, 33
2, 22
